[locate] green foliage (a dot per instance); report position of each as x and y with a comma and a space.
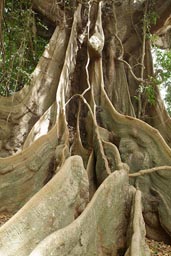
150, 93
22, 47
162, 62
163, 74
163, 65
151, 19
148, 90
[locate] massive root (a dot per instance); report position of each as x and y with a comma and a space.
99, 230
127, 160
55, 206
20, 111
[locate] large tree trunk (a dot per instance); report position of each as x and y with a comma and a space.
81, 128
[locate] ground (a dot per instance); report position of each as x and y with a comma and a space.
159, 248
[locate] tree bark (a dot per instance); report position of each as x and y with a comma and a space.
79, 124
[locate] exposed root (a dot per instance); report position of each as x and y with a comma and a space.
138, 246
52, 208
98, 230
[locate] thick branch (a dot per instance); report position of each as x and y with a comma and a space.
50, 9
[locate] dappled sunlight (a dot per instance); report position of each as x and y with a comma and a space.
36, 72
46, 53
42, 127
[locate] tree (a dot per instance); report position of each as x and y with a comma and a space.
85, 149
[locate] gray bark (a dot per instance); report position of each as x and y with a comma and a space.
80, 110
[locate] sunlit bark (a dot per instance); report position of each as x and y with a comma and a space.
80, 112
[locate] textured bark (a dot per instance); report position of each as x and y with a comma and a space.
136, 231
66, 196
81, 110
49, 9
24, 174
19, 112
99, 230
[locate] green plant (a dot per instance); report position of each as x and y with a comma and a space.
150, 18
22, 47
163, 74
163, 65
147, 89
150, 93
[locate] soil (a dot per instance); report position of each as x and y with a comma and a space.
159, 248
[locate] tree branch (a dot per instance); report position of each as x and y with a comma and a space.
50, 9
